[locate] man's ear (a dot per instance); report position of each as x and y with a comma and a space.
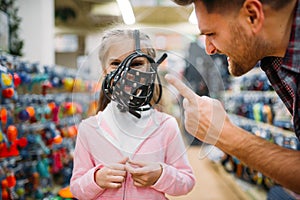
253, 11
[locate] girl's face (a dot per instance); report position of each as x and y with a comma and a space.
118, 51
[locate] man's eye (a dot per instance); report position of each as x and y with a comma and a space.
209, 34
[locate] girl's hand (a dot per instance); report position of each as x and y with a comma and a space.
144, 174
111, 176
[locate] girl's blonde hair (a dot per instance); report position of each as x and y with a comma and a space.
112, 35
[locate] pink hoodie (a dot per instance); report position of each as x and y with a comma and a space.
94, 149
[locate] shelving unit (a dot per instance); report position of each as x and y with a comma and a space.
245, 190
243, 121
259, 110
38, 127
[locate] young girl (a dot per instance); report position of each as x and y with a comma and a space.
129, 150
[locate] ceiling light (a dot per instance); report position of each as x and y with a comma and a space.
127, 12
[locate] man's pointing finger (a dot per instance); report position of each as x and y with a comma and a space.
184, 90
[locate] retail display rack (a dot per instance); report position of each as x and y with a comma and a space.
40, 109
253, 105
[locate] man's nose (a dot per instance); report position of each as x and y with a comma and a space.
210, 48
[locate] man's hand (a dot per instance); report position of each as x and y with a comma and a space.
144, 174
111, 176
204, 116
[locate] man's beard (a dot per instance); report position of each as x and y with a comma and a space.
247, 51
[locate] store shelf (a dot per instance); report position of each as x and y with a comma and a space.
245, 190
240, 121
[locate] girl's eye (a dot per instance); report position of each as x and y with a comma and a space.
115, 63
137, 64
209, 34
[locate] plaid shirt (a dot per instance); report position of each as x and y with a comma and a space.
283, 73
